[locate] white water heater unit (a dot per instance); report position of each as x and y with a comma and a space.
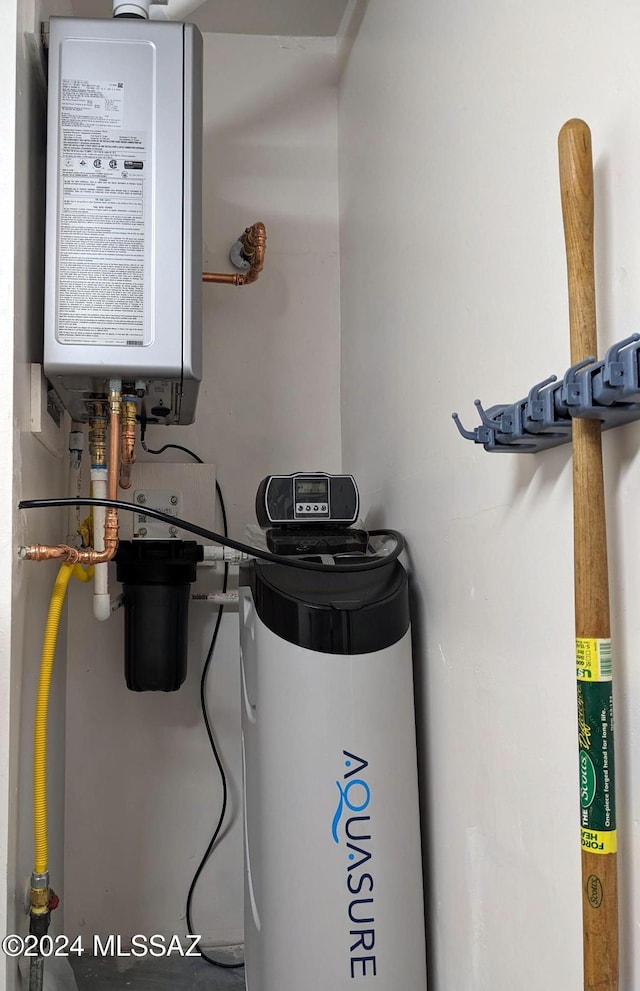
124, 204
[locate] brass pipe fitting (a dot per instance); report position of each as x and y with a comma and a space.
128, 440
254, 246
98, 437
73, 555
39, 894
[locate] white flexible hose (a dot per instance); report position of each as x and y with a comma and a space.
215, 553
101, 597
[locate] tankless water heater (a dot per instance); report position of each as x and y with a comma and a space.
124, 203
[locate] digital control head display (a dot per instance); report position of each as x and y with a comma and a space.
311, 488
307, 499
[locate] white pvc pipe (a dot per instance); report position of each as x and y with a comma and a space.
137, 7
101, 597
157, 10
215, 553
218, 598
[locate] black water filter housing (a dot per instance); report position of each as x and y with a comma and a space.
156, 576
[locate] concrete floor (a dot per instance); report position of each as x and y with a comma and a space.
166, 974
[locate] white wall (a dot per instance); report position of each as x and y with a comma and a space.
7, 209
453, 286
142, 789
35, 471
270, 17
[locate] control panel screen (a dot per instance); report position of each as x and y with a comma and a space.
307, 499
312, 489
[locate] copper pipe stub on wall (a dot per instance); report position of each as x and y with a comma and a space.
252, 247
223, 278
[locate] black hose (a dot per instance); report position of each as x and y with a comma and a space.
36, 973
369, 564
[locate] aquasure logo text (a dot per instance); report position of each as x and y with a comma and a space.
352, 825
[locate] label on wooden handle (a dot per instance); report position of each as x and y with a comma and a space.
595, 741
593, 660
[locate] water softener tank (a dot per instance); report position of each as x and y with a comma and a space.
333, 879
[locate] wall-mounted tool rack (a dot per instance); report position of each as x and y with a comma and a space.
606, 390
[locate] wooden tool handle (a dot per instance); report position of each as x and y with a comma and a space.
590, 551
576, 190
595, 703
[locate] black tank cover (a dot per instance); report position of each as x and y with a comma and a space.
357, 613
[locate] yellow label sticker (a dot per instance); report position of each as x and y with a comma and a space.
593, 659
599, 840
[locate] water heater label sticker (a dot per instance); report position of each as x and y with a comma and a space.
102, 249
86, 103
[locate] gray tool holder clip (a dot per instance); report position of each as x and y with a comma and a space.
606, 390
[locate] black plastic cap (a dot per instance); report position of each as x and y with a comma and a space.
357, 613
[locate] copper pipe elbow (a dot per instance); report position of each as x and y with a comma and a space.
73, 555
111, 533
254, 246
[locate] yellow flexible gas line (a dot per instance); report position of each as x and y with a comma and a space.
42, 707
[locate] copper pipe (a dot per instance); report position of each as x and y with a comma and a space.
115, 413
254, 245
254, 241
224, 279
73, 555
128, 440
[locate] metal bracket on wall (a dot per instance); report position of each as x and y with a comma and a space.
47, 420
607, 390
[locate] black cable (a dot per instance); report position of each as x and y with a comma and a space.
205, 715
172, 447
214, 748
369, 564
